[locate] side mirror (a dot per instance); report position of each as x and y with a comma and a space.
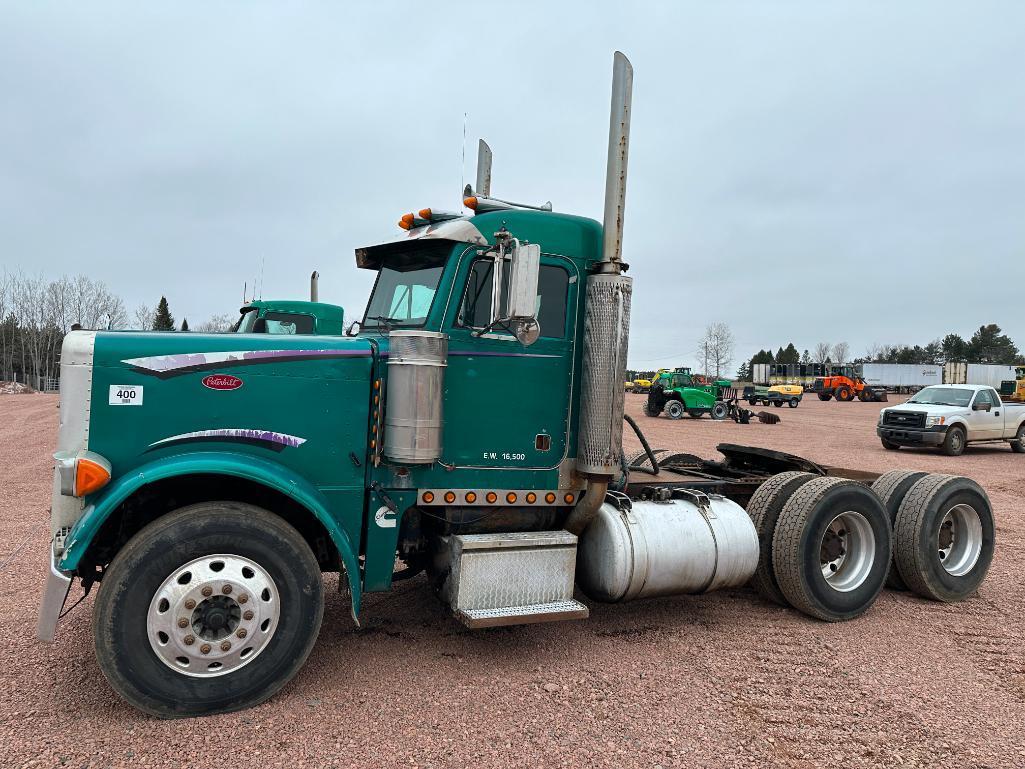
521, 302
981, 406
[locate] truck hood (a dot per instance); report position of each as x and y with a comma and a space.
931, 410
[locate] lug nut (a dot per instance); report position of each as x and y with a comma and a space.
205, 648
182, 622
248, 615
190, 604
226, 589
241, 632
243, 598
189, 640
207, 591
225, 646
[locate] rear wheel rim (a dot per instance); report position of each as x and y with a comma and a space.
847, 551
959, 540
213, 615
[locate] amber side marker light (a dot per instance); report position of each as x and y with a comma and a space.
471, 497
406, 222
531, 498
82, 473
428, 497
450, 497
425, 213
550, 498
569, 499
491, 497
510, 497
470, 203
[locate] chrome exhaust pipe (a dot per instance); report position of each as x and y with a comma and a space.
314, 289
619, 154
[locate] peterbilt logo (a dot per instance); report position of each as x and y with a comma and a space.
222, 382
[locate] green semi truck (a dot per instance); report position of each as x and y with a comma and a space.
206, 481
289, 316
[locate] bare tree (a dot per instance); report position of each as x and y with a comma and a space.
872, 352
716, 349
841, 351
822, 350
218, 324
142, 319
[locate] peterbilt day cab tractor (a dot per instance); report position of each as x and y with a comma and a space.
288, 316
205, 482
845, 385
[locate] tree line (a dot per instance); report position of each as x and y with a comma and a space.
36, 313
989, 344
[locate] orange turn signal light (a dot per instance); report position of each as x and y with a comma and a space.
90, 476
425, 213
406, 222
470, 203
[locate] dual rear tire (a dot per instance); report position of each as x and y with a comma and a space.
827, 546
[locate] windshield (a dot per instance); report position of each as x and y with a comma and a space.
943, 396
245, 323
405, 289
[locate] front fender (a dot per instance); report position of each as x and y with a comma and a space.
261, 471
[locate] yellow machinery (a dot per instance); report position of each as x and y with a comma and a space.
1014, 390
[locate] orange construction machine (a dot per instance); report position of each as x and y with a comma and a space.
846, 384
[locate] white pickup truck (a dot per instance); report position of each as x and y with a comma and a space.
950, 417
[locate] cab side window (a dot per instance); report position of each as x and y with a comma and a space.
550, 306
986, 396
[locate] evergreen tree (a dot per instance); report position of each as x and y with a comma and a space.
744, 372
779, 356
989, 345
789, 355
806, 357
185, 324
954, 348
162, 318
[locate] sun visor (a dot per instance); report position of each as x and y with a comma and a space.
456, 230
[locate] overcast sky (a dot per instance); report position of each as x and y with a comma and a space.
805, 171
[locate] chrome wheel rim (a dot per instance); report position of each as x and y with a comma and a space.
956, 441
213, 615
847, 551
959, 540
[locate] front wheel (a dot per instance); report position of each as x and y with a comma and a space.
844, 394
674, 410
210, 609
825, 396
954, 444
792, 403
889, 445
720, 411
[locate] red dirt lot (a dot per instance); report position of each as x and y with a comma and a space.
720, 680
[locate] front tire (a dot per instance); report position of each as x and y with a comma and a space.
792, 403
889, 445
954, 443
844, 394
720, 411
831, 549
825, 396
247, 589
675, 410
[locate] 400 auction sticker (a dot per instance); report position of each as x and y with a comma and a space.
125, 395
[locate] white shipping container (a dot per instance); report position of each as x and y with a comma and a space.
955, 373
760, 374
902, 374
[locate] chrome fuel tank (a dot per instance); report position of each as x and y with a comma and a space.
690, 545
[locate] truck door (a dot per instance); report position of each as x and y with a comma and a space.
507, 405
986, 425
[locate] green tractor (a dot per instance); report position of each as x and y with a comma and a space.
680, 392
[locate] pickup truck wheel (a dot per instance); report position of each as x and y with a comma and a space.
891, 488
720, 411
792, 403
889, 445
944, 536
954, 443
209, 609
831, 548
1018, 444
764, 509
674, 410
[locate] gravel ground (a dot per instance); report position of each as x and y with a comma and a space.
718, 680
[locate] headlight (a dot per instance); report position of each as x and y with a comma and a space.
933, 421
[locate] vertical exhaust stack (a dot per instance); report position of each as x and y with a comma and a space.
607, 322
314, 288
483, 183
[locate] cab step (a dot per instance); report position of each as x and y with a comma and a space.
522, 615
511, 578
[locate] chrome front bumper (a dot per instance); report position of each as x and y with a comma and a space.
58, 583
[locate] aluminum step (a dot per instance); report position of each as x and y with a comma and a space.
522, 615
